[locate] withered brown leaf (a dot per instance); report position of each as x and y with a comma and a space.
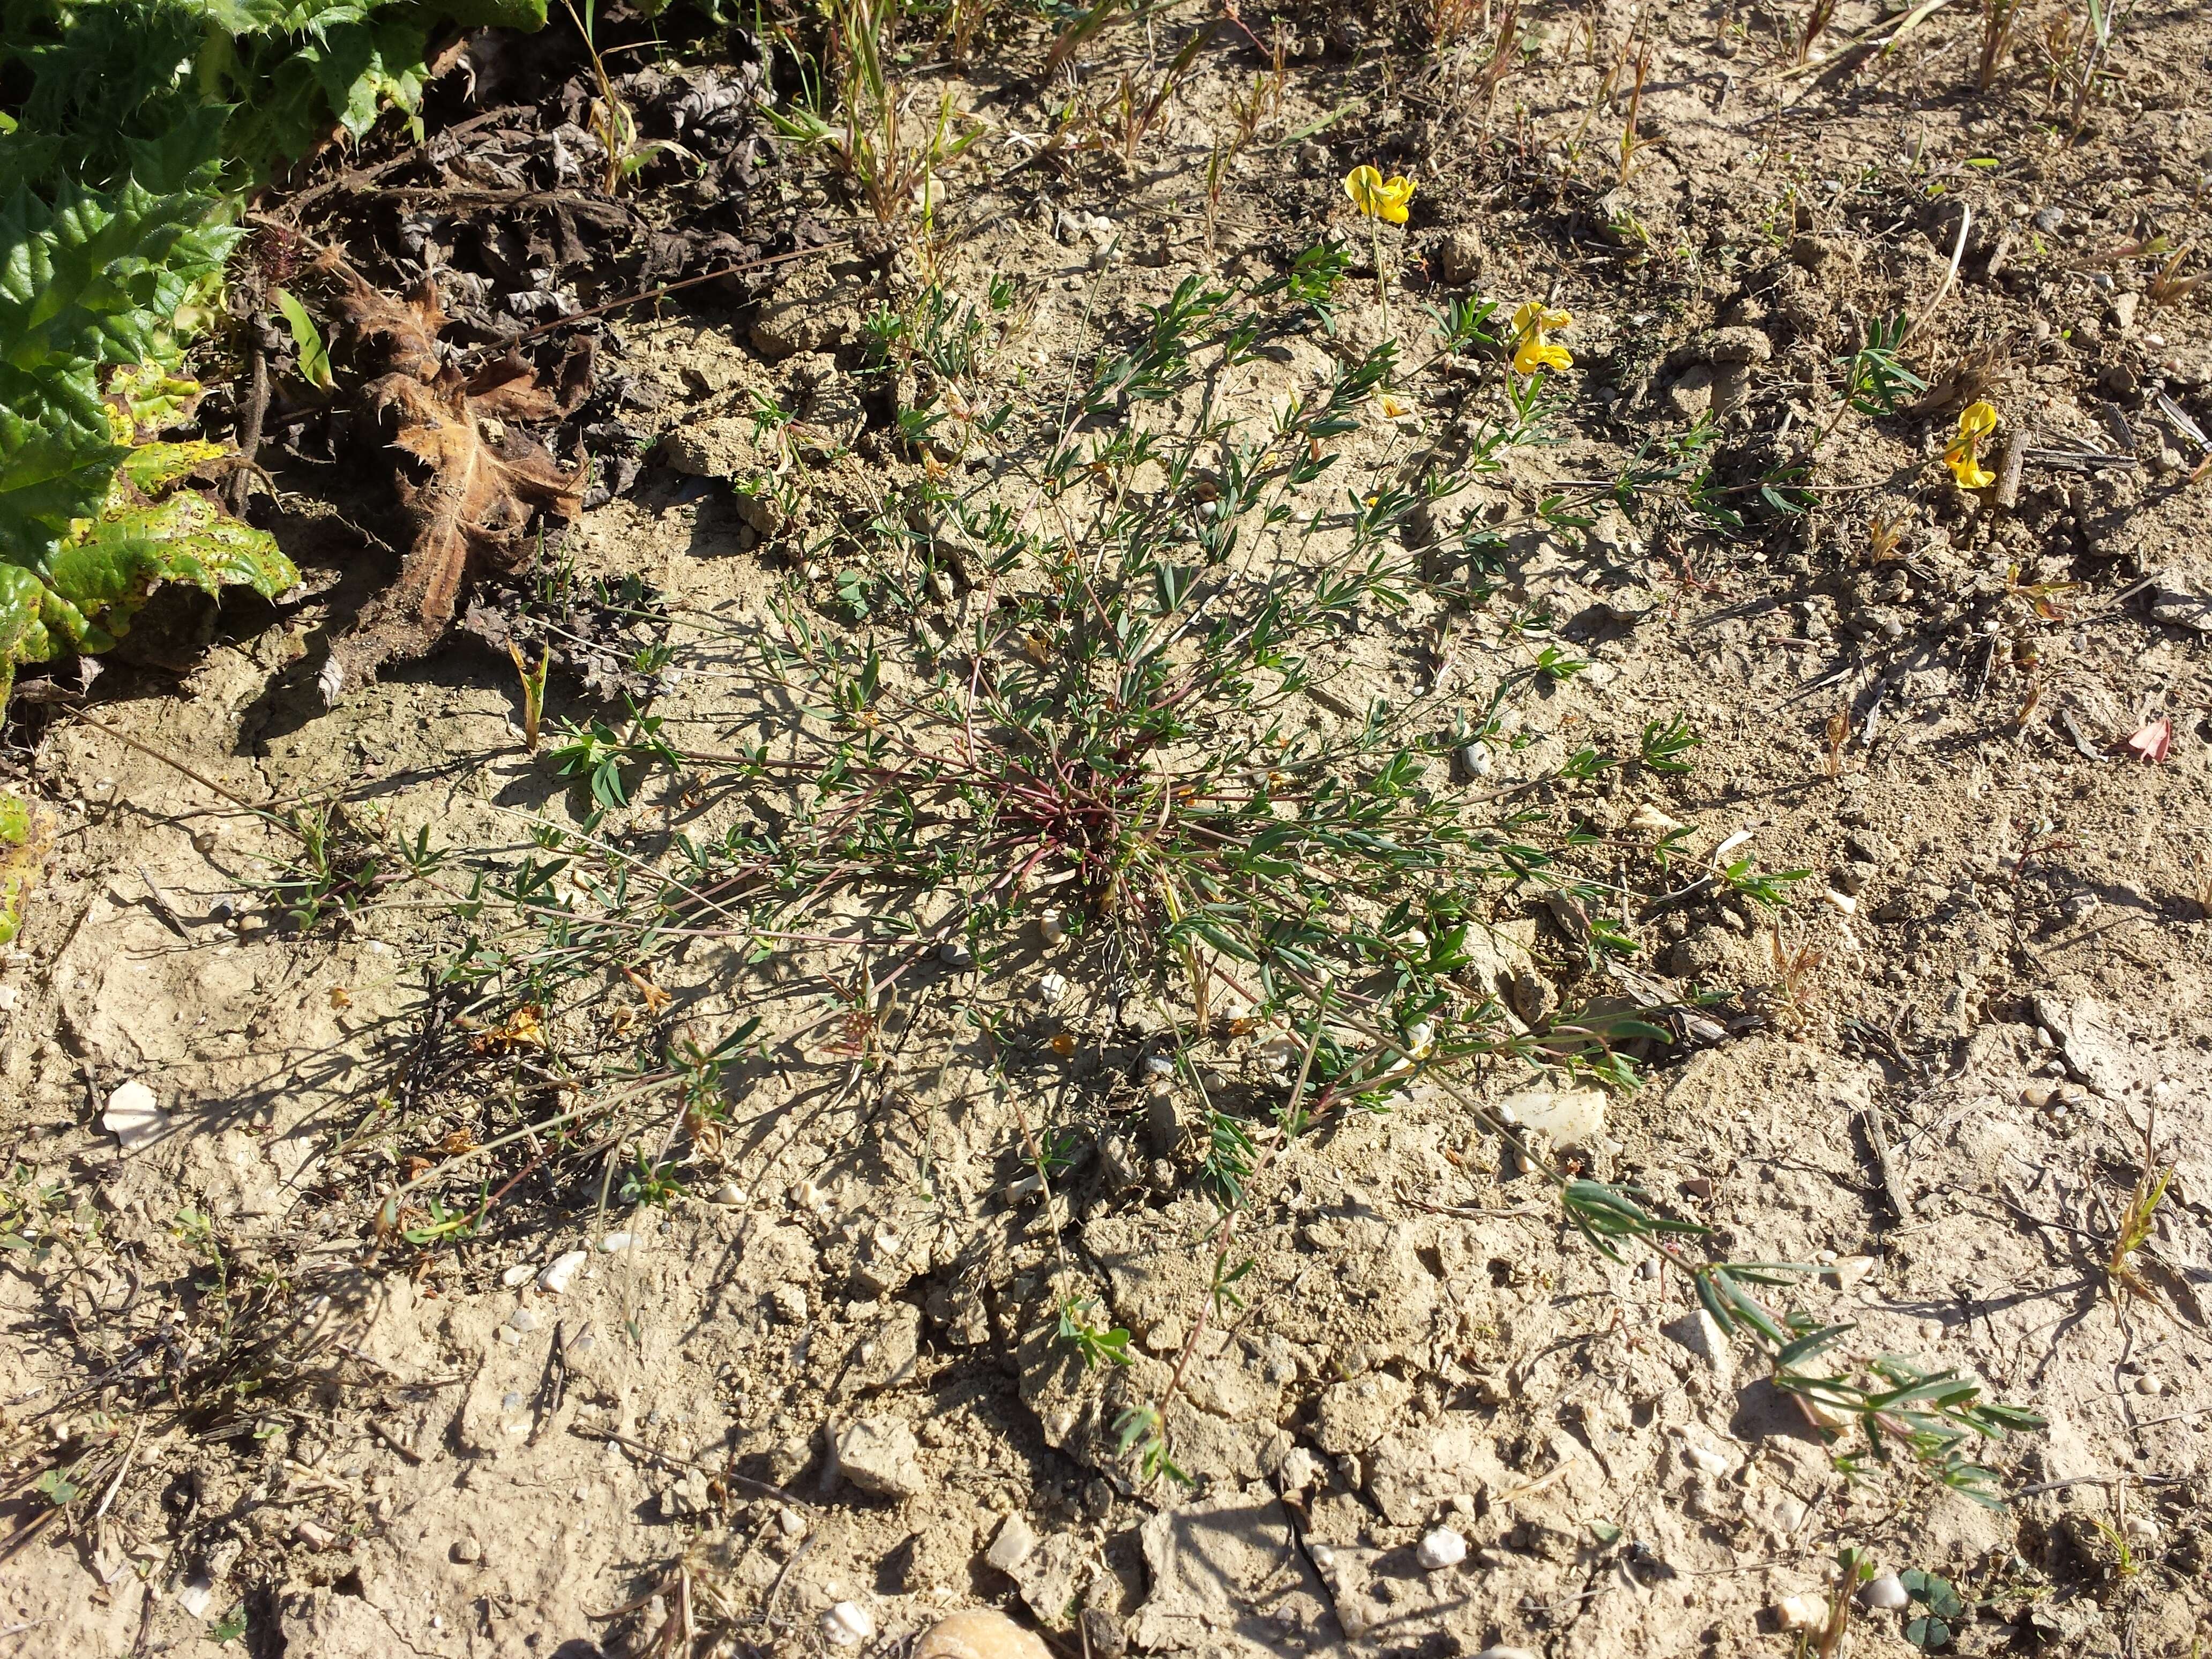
471, 480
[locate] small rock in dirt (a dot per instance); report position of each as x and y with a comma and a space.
729, 1192
1801, 1612
880, 1455
1355, 1414
1848, 1270
686, 1496
1017, 1539
1442, 1548
1300, 1471
1460, 255
614, 1243
522, 1320
1700, 1333
1739, 345
520, 1274
983, 1633
789, 1302
1884, 1592
554, 1281
1811, 252
2183, 607
134, 1117
847, 1624
465, 1551
1691, 393
1053, 1577
1505, 1653
1103, 1634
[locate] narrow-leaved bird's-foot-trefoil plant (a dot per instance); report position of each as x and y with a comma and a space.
1962, 454
1384, 201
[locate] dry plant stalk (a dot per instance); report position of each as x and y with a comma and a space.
1818, 17
1998, 17
1630, 142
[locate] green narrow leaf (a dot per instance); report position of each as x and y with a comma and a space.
314, 355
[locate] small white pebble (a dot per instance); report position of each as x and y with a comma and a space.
847, 1624
1051, 987
614, 1243
1884, 1592
1705, 1460
520, 1274
1053, 925
559, 1271
1442, 1548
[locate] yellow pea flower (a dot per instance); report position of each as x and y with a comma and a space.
1963, 455
1377, 197
1531, 351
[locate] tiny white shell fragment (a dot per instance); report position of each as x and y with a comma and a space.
847, 1624
1442, 1548
559, 1271
134, 1117
1053, 925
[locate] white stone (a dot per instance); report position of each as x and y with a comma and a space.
1051, 987
1505, 1653
614, 1243
1705, 1459
1017, 1539
1571, 1117
1442, 1548
1053, 926
559, 1271
847, 1624
520, 1274
729, 1192
134, 1117
1885, 1592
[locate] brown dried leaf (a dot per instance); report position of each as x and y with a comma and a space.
473, 482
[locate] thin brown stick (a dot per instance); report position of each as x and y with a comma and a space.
249, 430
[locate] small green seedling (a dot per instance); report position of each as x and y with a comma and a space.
1931, 1628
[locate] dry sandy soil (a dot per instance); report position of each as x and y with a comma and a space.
812, 1356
